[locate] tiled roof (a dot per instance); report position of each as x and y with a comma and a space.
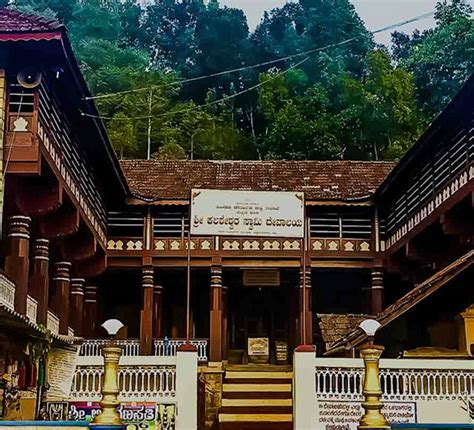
12, 21
319, 180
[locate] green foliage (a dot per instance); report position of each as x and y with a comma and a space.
350, 100
442, 59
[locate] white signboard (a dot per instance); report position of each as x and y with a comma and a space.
343, 415
247, 213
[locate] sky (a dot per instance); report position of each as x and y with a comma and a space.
375, 13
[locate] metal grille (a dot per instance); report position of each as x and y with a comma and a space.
170, 224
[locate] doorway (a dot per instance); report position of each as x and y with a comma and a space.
260, 314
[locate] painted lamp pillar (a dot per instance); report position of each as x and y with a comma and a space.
373, 417
110, 418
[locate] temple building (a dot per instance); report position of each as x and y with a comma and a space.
87, 238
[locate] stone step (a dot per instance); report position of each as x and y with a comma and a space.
256, 402
256, 388
255, 418
258, 375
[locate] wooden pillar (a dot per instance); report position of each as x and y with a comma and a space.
39, 279
216, 314
157, 311
90, 311
306, 308
146, 314
17, 262
76, 312
224, 322
376, 291
62, 286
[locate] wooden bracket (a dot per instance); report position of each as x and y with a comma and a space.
81, 246
62, 223
91, 267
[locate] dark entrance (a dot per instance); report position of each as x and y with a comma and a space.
259, 312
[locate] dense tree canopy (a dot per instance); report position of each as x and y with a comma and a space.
337, 96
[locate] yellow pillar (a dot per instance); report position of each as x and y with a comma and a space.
373, 417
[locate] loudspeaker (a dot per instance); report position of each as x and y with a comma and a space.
29, 77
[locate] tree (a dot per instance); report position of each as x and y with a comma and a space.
441, 60
312, 24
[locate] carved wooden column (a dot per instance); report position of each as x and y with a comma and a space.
157, 311
215, 340
76, 312
39, 279
224, 321
62, 285
146, 314
17, 262
376, 291
90, 311
306, 308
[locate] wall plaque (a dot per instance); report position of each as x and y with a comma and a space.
247, 213
262, 278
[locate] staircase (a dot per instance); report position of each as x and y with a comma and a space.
257, 397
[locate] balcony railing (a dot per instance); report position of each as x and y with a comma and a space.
7, 292
52, 323
31, 309
131, 347
140, 379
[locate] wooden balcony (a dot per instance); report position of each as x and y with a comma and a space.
241, 247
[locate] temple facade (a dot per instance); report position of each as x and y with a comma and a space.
87, 238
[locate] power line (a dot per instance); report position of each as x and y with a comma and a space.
223, 99
265, 63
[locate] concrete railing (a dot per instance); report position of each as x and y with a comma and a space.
169, 348
414, 391
145, 379
31, 309
7, 292
131, 347
52, 323
140, 379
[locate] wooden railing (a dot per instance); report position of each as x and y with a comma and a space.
176, 246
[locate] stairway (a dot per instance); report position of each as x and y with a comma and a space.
257, 397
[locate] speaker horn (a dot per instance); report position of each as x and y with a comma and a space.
29, 77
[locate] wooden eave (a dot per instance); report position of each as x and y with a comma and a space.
137, 201
407, 302
450, 113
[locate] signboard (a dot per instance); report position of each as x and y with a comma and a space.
261, 278
345, 415
258, 346
60, 371
136, 416
247, 213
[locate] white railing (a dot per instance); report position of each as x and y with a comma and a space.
52, 323
329, 390
93, 347
401, 380
131, 347
31, 309
7, 292
166, 348
140, 379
